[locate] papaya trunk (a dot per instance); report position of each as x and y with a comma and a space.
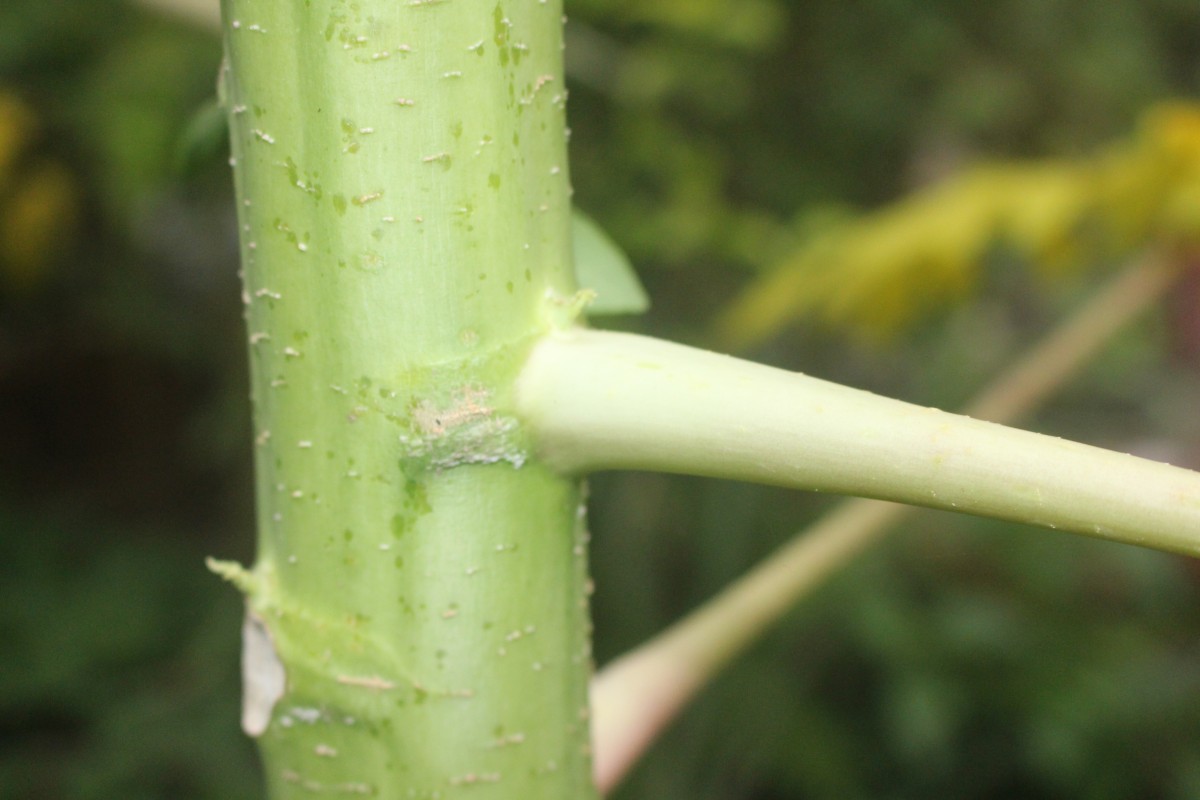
417, 622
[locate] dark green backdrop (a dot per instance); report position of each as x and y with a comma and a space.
961, 659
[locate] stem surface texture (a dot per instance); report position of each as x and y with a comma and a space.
417, 622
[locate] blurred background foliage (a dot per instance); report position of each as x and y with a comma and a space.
753, 157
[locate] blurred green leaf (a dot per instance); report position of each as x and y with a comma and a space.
601, 266
205, 138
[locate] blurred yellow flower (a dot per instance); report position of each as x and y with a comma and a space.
38, 203
887, 268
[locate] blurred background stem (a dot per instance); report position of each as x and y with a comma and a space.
639, 693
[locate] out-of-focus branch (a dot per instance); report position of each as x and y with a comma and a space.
202, 13
635, 697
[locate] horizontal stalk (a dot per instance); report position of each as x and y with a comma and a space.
636, 696
600, 400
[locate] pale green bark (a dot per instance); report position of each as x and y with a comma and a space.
403, 196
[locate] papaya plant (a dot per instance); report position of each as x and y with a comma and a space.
428, 398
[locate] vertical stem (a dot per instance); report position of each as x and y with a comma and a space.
417, 622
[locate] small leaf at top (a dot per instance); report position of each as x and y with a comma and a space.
601, 266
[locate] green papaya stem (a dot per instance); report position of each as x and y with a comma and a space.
600, 400
636, 696
417, 620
